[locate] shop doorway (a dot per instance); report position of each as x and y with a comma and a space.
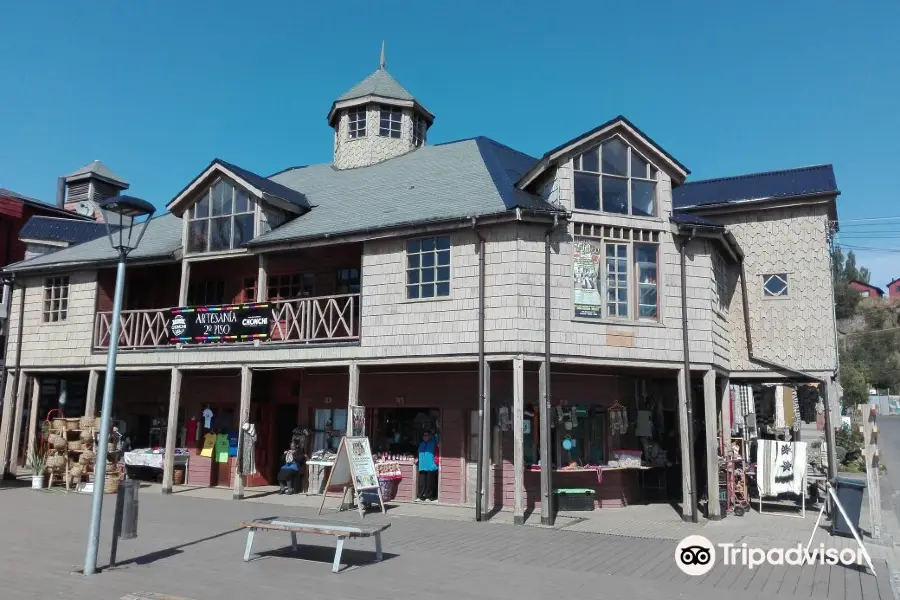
285, 422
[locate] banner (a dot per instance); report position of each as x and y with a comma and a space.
230, 323
586, 271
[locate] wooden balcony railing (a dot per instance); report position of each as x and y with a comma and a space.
318, 320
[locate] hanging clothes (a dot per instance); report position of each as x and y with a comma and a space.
794, 405
247, 460
780, 467
778, 402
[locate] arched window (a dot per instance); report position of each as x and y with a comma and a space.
615, 178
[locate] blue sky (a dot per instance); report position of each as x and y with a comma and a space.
158, 89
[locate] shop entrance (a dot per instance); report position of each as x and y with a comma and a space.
285, 422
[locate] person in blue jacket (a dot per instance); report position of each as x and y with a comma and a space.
428, 469
289, 474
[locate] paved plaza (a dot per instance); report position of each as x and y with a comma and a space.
191, 547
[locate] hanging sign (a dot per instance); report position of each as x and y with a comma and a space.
357, 421
230, 323
586, 272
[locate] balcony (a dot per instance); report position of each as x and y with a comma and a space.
318, 320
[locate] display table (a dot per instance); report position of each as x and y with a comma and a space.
142, 458
317, 475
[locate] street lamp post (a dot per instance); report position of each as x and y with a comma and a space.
125, 231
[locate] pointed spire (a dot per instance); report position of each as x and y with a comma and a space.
381, 63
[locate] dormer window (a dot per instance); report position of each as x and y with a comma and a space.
390, 122
418, 132
615, 178
222, 219
356, 127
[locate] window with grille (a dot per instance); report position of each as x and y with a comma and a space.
206, 293
617, 280
222, 219
419, 129
56, 299
348, 281
290, 287
614, 178
356, 126
390, 122
428, 267
775, 285
720, 284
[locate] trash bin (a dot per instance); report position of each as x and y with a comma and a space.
850, 494
129, 490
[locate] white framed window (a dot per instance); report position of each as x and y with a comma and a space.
646, 263
720, 282
56, 299
391, 118
615, 178
419, 132
222, 219
616, 285
775, 285
356, 124
428, 268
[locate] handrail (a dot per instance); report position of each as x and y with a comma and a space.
312, 320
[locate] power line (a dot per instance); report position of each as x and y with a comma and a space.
871, 331
869, 219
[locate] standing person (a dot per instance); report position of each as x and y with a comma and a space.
428, 469
289, 474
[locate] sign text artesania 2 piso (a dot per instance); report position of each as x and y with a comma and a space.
227, 323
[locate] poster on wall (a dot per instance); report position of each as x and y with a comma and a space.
357, 421
586, 271
230, 323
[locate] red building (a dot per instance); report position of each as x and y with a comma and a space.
893, 289
870, 291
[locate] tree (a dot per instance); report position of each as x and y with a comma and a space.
844, 270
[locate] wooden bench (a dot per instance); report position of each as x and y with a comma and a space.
294, 525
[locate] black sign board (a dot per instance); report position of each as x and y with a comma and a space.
232, 323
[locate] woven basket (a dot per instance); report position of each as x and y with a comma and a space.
72, 424
58, 424
56, 462
76, 471
87, 457
178, 477
75, 445
97, 422
111, 485
86, 422
86, 435
57, 442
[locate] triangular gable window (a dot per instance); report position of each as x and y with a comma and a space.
615, 178
222, 218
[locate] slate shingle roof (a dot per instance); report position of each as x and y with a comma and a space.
96, 168
790, 183
61, 230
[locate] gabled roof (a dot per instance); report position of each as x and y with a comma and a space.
96, 169
42, 206
456, 180
56, 229
260, 186
610, 126
892, 282
754, 187
446, 182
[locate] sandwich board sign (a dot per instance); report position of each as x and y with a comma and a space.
353, 468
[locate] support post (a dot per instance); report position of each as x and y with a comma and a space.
171, 431
711, 422
485, 453
726, 413
352, 395
6, 424
518, 417
33, 415
17, 424
244, 416
262, 278
185, 283
90, 403
827, 390
868, 415
686, 446
547, 512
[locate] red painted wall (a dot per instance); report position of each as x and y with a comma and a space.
13, 215
894, 290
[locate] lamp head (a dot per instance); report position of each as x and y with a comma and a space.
124, 226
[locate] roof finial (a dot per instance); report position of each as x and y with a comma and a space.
381, 63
